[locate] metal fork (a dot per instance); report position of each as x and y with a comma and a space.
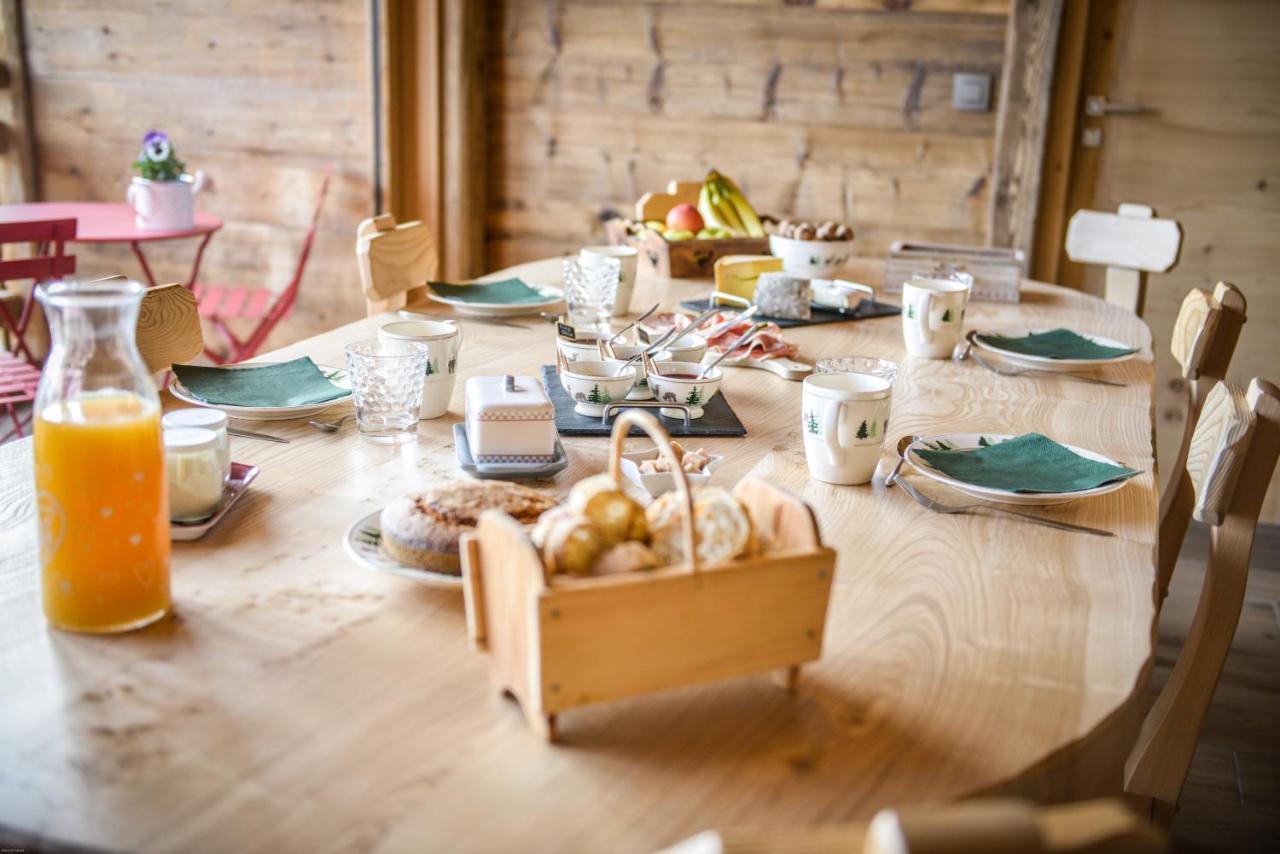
938, 507
966, 350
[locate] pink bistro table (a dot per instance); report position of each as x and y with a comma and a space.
112, 222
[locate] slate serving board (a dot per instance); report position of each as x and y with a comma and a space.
865, 311
718, 418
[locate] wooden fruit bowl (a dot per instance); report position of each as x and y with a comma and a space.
557, 643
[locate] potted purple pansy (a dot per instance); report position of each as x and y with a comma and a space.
163, 195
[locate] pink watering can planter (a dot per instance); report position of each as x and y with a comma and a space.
165, 205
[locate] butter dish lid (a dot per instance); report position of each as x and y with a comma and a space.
508, 398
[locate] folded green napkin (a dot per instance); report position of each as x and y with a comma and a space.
1028, 463
284, 384
508, 291
1057, 344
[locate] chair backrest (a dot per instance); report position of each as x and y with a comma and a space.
1232, 457
284, 303
395, 261
1129, 243
1204, 339
53, 234
168, 328
990, 826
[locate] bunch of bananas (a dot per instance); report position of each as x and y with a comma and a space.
722, 205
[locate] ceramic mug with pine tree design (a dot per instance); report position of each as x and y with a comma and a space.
844, 418
443, 339
933, 309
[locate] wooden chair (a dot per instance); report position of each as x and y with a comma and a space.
395, 262
1130, 243
221, 303
1231, 458
989, 826
1204, 339
168, 328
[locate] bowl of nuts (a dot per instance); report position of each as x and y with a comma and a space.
815, 251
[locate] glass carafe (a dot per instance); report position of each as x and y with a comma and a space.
99, 463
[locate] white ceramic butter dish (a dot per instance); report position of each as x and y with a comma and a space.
509, 420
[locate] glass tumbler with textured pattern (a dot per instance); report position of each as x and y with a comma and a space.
590, 289
386, 384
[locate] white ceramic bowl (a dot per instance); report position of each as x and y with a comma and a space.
581, 348
656, 484
813, 259
585, 350
676, 389
686, 348
592, 384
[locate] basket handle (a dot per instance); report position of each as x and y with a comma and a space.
660, 437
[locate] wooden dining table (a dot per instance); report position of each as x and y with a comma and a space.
296, 700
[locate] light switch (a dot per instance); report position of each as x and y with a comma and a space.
971, 92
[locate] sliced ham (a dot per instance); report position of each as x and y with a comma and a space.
768, 343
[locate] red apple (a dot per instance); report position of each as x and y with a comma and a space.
684, 218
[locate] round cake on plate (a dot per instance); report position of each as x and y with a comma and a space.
423, 529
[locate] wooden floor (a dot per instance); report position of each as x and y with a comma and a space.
1231, 802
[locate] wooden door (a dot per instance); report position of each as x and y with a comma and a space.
1204, 150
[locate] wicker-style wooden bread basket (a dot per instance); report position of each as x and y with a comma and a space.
556, 643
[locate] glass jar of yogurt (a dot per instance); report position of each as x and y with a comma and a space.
208, 419
194, 466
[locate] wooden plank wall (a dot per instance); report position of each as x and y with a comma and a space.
259, 95
832, 111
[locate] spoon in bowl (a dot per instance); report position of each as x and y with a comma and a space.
672, 333
633, 324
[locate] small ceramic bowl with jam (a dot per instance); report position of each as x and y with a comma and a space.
593, 383
678, 382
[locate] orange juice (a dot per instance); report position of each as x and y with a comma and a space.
104, 512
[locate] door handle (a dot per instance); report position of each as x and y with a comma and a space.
1098, 105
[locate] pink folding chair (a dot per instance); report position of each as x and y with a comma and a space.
20, 376
220, 303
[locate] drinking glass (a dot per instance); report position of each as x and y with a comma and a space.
386, 384
102, 505
859, 365
590, 289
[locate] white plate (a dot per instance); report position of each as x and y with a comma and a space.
555, 298
337, 376
966, 441
1044, 363
362, 544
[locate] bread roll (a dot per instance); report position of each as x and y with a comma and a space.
572, 545
626, 557
721, 526
602, 500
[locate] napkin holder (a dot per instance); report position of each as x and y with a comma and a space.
997, 273
556, 642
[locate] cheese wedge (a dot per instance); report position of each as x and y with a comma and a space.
737, 274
